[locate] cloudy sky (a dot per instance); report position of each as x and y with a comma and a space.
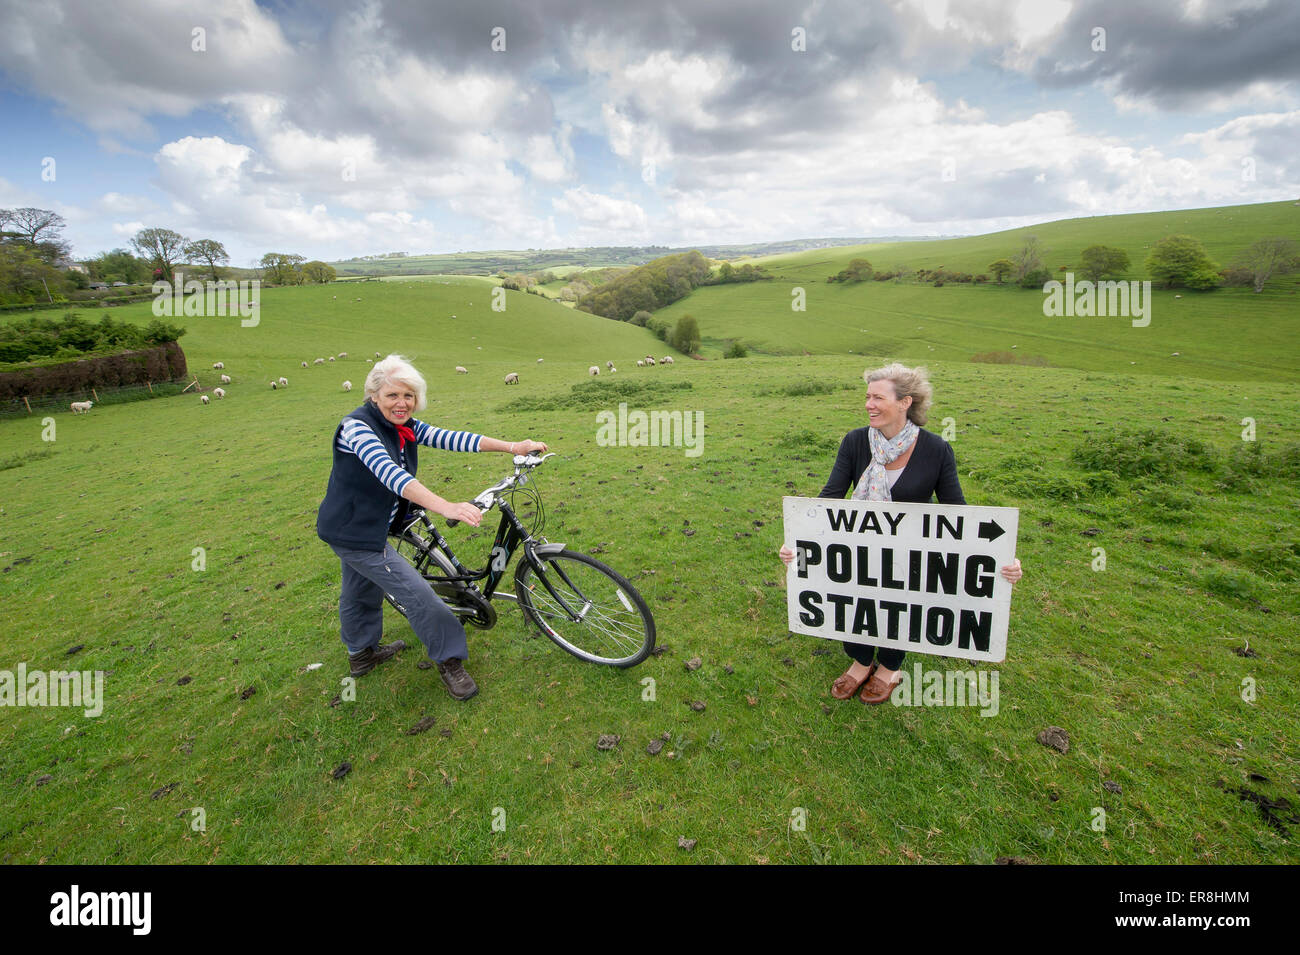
331, 129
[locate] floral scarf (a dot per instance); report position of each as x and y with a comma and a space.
874, 485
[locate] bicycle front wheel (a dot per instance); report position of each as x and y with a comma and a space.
588, 609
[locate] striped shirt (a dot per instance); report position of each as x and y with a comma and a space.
359, 438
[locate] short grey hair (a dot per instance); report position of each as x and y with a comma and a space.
397, 369
908, 383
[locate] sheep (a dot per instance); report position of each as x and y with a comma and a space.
609, 364
462, 370
319, 361
640, 362
612, 369
347, 386
304, 364
225, 379
343, 354
203, 398
331, 357
593, 371
219, 392
376, 354
284, 382
273, 384
81, 407
218, 364
539, 361
512, 378
666, 360
649, 361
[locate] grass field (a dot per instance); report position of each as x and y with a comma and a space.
1140, 662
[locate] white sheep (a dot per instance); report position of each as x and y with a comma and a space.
462, 370
284, 382
640, 362
273, 384
203, 398
347, 386
218, 364
304, 364
649, 360
331, 357
512, 378
609, 364
343, 354
219, 392
593, 371
666, 360
81, 407
225, 379
539, 361
376, 354
319, 361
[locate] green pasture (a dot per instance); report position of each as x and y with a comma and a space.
1142, 662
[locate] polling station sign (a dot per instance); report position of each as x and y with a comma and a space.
918, 577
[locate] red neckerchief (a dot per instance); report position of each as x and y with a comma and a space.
404, 434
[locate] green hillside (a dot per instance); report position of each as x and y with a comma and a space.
1222, 335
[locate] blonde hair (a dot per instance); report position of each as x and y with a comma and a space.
397, 369
908, 383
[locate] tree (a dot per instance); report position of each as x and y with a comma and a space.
641, 318
162, 249
281, 268
319, 272
1001, 269
686, 335
207, 250
1099, 262
1028, 259
119, 265
1181, 260
39, 228
1269, 257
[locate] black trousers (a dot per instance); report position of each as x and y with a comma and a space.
864, 654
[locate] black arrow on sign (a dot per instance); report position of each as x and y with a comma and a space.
990, 531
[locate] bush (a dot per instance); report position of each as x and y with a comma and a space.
641, 318
1237, 276
1036, 279
1152, 454
736, 350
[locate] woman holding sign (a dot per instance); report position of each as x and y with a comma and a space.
892, 459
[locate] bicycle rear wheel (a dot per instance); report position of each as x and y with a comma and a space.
587, 608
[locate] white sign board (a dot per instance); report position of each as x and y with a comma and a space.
924, 578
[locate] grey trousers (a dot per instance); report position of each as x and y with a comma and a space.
367, 576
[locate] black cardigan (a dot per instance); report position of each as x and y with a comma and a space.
930, 471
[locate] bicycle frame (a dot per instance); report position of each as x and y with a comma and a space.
510, 534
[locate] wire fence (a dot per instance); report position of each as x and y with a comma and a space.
121, 394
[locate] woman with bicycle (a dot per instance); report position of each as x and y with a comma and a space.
373, 476
892, 459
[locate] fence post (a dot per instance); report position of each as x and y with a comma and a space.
96, 394
28, 404
150, 384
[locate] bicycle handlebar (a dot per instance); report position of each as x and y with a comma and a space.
487, 498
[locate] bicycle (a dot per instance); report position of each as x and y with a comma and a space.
606, 619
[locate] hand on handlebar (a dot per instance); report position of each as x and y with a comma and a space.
464, 511
528, 446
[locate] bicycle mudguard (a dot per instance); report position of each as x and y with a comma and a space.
547, 550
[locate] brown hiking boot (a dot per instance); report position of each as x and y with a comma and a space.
369, 658
459, 683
